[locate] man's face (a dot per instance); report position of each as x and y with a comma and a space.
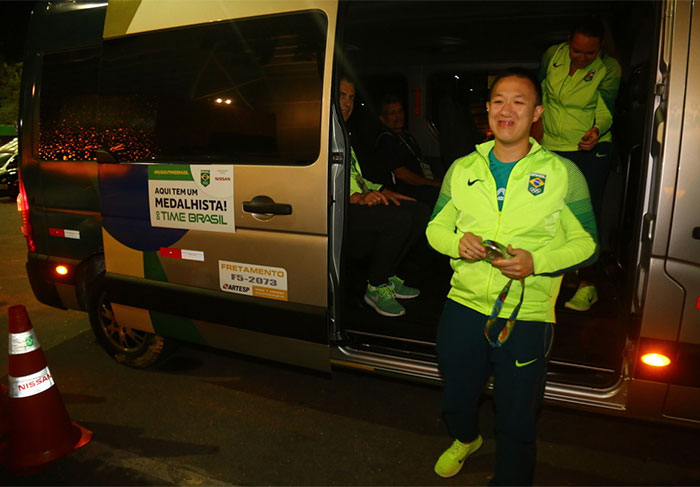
583, 50
393, 117
513, 109
347, 99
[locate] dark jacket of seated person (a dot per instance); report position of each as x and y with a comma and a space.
399, 153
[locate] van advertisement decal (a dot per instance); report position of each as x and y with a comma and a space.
196, 197
253, 280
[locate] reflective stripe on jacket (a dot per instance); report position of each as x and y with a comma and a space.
547, 211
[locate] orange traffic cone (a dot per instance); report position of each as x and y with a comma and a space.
40, 429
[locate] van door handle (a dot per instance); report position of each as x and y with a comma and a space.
264, 205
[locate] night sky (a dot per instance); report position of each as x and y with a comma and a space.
14, 17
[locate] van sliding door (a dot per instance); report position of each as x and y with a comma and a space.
213, 172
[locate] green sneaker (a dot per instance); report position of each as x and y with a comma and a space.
401, 290
583, 299
381, 298
451, 461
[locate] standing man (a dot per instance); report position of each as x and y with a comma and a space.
579, 86
399, 152
544, 226
383, 223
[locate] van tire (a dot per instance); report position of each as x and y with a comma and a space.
128, 346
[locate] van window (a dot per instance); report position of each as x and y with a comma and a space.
467, 91
244, 91
68, 104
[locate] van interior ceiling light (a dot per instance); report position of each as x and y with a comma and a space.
61, 270
656, 359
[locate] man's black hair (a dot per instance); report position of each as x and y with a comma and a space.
589, 27
519, 72
389, 100
347, 78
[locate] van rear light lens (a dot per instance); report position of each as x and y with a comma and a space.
656, 359
61, 270
23, 208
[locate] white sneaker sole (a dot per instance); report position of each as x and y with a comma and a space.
593, 301
383, 313
403, 296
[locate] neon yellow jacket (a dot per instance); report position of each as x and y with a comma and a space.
574, 104
547, 211
357, 181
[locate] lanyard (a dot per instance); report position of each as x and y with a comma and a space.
504, 334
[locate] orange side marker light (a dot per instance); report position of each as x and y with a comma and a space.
656, 359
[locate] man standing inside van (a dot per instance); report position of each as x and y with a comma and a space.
579, 86
382, 223
513, 217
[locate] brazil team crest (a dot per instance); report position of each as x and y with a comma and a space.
204, 177
536, 183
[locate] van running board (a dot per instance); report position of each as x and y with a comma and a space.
417, 358
424, 371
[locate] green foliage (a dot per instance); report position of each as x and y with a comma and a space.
10, 76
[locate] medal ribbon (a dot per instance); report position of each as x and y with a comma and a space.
504, 334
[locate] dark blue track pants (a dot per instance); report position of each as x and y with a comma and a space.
519, 370
595, 166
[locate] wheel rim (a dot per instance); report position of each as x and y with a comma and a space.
121, 337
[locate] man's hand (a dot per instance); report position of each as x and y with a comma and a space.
519, 266
395, 197
373, 198
470, 247
589, 139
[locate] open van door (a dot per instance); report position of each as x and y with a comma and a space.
213, 172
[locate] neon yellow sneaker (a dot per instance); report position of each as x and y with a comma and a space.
451, 461
583, 299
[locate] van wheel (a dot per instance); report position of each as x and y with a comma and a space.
128, 346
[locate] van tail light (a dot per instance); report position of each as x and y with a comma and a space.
23, 208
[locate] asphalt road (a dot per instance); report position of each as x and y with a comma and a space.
212, 418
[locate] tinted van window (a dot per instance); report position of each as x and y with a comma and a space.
68, 103
244, 91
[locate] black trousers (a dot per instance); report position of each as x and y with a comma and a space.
595, 166
386, 233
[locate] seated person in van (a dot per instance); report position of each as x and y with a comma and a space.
399, 152
381, 223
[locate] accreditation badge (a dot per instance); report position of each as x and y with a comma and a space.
536, 183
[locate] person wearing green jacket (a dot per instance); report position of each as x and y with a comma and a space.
580, 82
381, 223
513, 217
